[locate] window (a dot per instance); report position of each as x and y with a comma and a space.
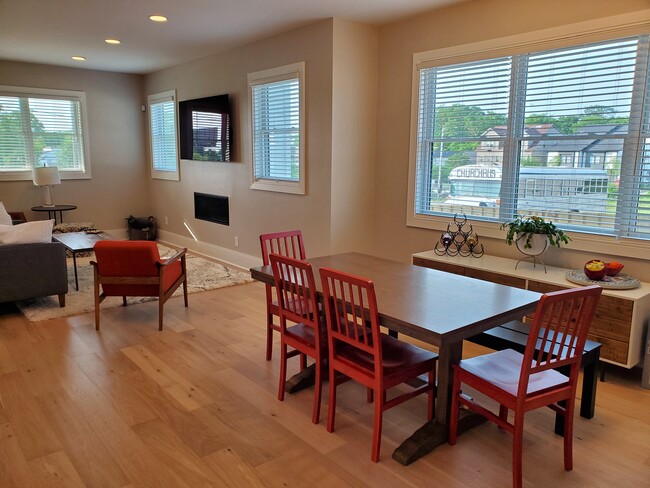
41, 127
571, 126
277, 123
163, 126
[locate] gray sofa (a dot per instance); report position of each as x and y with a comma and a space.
33, 270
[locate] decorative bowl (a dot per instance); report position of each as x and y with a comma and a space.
595, 269
613, 268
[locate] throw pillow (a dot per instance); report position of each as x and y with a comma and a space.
27, 232
5, 218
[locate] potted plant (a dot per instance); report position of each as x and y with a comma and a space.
523, 231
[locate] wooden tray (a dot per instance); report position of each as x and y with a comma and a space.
618, 282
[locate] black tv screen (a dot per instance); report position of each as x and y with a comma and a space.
205, 129
213, 208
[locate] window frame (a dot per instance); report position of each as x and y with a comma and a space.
155, 98
78, 96
605, 29
273, 75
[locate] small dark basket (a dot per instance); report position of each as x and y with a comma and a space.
142, 228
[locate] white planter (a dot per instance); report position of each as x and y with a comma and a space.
539, 243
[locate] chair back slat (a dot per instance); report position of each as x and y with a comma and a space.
287, 243
296, 288
351, 311
559, 331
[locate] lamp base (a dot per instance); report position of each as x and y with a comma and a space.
48, 205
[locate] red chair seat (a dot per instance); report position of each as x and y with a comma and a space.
397, 356
503, 370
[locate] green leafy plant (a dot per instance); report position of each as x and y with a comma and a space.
525, 227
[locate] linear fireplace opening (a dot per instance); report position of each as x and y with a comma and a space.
213, 208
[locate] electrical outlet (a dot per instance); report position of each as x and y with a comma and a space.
166, 220
236, 241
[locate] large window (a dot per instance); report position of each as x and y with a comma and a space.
563, 133
41, 127
163, 133
277, 125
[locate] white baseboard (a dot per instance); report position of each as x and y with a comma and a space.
226, 256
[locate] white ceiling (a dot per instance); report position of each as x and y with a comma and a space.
51, 31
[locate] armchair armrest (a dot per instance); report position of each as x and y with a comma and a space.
179, 255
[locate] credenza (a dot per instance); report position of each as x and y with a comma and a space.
621, 317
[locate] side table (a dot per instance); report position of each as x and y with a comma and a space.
51, 211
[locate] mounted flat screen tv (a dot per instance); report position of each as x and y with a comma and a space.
213, 208
205, 129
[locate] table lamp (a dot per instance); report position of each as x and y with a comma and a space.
47, 176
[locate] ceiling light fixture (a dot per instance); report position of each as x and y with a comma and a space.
158, 18
112, 41
79, 58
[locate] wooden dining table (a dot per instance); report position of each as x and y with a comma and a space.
436, 307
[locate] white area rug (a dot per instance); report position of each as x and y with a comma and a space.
202, 275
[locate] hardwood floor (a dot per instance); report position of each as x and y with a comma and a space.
195, 405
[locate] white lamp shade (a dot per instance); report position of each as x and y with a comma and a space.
46, 176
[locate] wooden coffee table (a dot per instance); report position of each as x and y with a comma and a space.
79, 242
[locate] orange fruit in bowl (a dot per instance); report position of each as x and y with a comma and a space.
613, 268
595, 269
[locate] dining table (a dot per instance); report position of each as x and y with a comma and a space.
436, 307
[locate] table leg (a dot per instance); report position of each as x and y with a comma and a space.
74, 262
432, 434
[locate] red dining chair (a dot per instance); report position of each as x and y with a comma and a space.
524, 382
298, 305
134, 268
288, 243
359, 351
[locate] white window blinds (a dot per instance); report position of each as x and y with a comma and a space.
562, 134
277, 129
163, 127
41, 130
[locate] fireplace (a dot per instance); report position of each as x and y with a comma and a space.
213, 208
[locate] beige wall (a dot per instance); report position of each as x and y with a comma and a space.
116, 134
253, 212
354, 115
470, 22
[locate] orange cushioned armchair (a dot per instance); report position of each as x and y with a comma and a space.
134, 268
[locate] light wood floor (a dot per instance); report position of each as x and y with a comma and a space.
195, 405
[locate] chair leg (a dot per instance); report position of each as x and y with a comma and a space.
370, 395
303, 361
160, 313
380, 397
503, 413
61, 299
568, 434
517, 446
185, 291
318, 389
283, 371
269, 336
124, 301
331, 408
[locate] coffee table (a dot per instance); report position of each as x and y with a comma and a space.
79, 242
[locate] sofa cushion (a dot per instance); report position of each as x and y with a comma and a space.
5, 218
27, 232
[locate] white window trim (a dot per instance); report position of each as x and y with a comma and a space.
583, 32
157, 174
295, 70
17, 91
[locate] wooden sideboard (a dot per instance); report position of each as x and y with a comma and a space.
621, 316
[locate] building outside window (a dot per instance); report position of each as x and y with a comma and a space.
570, 124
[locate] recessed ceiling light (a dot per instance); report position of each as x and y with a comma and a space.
79, 58
112, 41
158, 18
